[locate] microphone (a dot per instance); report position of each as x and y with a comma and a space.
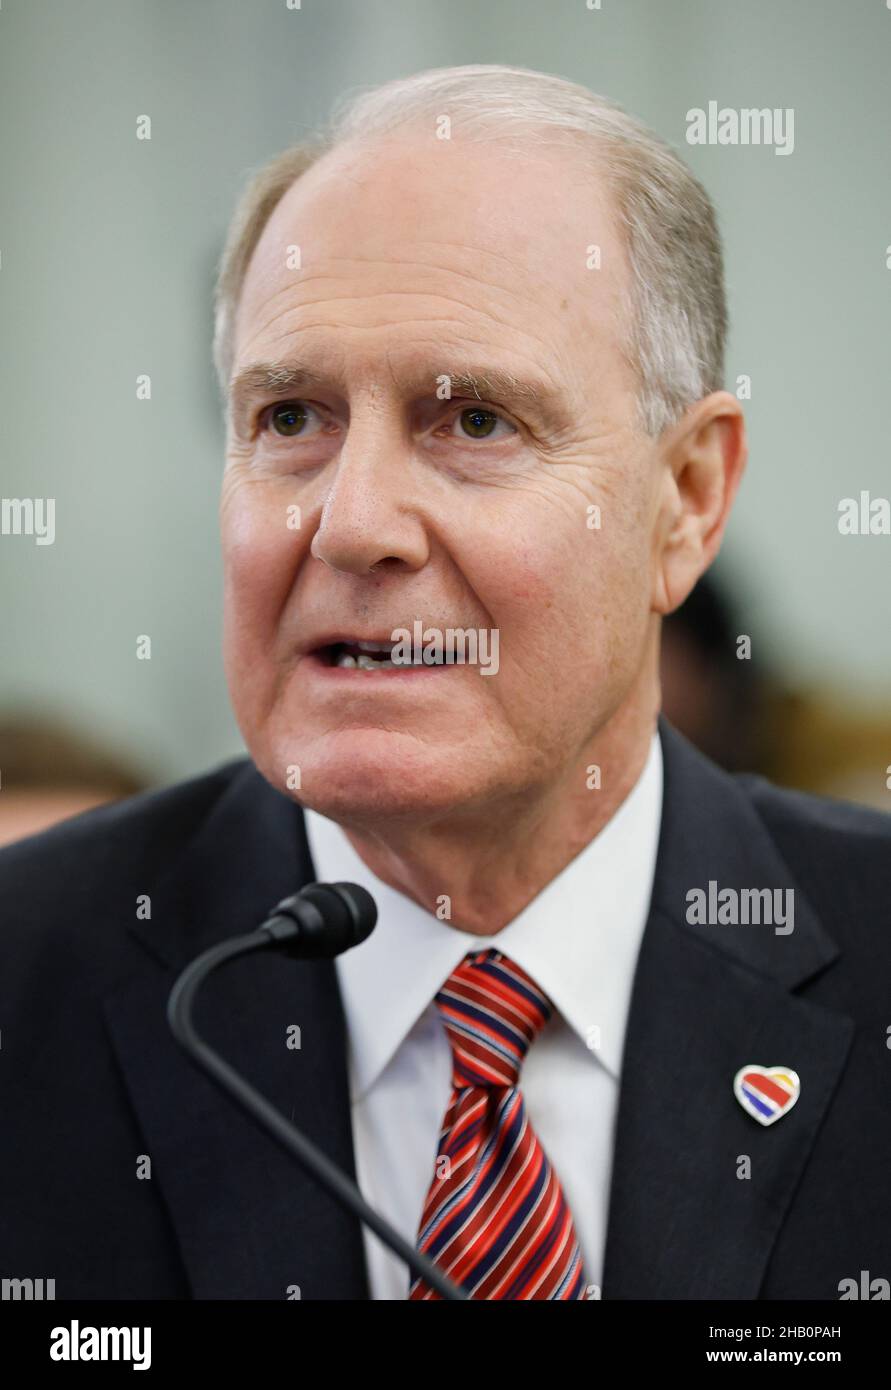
317, 923
322, 920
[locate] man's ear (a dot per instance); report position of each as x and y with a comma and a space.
702, 459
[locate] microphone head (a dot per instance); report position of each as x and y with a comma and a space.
331, 918
361, 909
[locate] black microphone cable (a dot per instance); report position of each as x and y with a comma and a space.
319, 922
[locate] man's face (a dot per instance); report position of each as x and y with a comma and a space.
423, 259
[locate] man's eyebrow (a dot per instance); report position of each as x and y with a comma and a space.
492, 382
535, 396
278, 378
269, 378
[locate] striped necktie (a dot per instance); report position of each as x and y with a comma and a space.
495, 1219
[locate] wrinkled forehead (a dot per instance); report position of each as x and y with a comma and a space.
474, 236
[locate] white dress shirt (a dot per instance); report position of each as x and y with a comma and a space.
578, 939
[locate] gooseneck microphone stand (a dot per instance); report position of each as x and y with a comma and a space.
318, 922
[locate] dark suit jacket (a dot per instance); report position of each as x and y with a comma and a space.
90, 1078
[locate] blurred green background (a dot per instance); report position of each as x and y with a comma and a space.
108, 249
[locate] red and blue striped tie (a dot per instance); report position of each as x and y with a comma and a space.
495, 1219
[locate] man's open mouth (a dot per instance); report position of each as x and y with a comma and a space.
361, 656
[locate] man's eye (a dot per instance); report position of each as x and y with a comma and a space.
289, 418
477, 423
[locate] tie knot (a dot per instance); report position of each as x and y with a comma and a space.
492, 1011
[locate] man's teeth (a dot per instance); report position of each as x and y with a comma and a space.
364, 661
368, 656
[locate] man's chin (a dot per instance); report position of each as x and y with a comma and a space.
374, 775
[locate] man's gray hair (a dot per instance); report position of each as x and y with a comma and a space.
677, 317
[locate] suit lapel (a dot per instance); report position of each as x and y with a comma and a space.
248, 1222
706, 1001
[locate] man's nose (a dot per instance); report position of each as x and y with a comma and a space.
368, 516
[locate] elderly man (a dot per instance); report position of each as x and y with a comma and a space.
623, 1017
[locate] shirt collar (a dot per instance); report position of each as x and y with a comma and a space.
578, 938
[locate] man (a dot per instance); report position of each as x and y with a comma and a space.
471, 344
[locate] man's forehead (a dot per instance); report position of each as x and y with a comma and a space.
413, 202
374, 248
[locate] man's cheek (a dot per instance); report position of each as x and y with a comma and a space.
519, 572
260, 555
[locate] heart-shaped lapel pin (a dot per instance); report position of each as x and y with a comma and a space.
766, 1093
